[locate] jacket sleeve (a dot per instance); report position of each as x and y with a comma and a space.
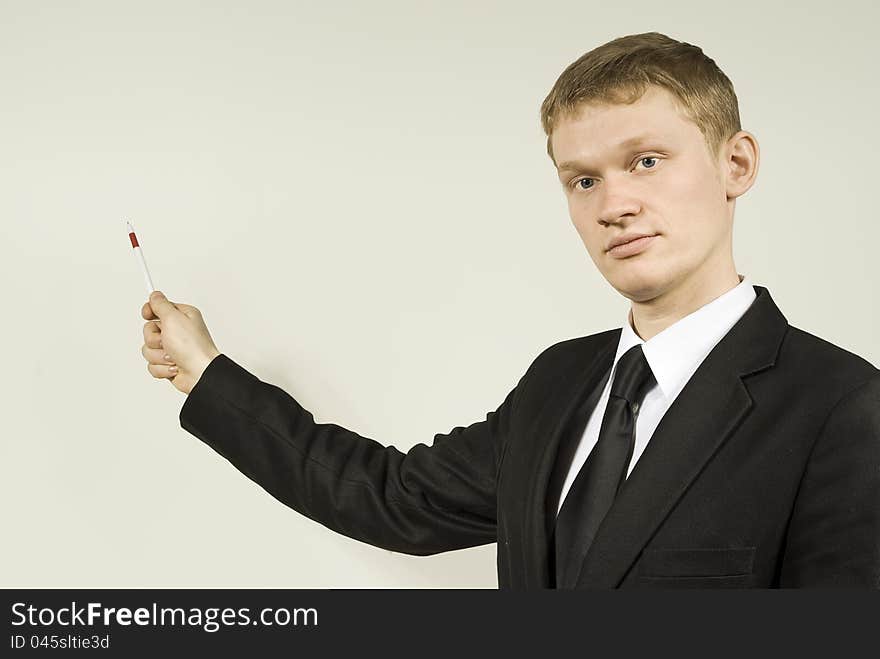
834, 534
429, 500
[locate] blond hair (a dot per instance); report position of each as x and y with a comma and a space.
619, 72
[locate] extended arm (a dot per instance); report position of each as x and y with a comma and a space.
428, 500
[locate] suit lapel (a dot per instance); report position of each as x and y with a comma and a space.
703, 416
579, 373
700, 420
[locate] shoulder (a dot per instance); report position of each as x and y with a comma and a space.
563, 358
822, 373
824, 358
580, 346
558, 365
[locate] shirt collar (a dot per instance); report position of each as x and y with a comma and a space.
676, 352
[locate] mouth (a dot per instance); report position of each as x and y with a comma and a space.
625, 246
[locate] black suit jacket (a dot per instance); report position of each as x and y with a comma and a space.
764, 472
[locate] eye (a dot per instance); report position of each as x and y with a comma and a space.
577, 182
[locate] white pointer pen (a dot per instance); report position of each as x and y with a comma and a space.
140, 256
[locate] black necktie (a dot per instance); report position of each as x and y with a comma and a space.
601, 476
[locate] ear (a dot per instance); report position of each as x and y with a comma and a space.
741, 157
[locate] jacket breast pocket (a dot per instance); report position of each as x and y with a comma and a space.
727, 567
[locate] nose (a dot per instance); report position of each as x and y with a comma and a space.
616, 201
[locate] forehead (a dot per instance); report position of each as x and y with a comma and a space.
600, 130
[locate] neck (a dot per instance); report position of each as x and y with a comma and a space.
650, 317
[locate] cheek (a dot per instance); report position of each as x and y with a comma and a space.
693, 215
701, 196
589, 231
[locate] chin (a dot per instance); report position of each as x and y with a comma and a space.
640, 295
638, 286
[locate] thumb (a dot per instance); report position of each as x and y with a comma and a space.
160, 304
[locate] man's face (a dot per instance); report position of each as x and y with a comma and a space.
666, 186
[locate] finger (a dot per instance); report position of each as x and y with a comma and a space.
188, 309
153, 334
156, 356
161, 305
147, 312
159, 371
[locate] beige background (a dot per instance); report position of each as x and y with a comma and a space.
358, 199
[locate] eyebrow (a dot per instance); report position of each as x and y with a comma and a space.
631, 142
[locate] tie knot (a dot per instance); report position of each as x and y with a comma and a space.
633, 376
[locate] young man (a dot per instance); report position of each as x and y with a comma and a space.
706, 443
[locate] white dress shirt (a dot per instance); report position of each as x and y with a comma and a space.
673, 355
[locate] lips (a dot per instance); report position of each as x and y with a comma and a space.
623, 247
626, 238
